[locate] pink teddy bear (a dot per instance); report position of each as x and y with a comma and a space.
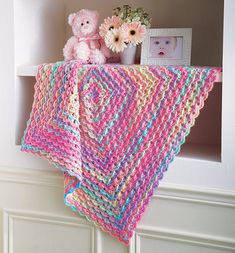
86, 44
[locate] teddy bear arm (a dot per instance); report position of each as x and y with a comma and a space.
68, 50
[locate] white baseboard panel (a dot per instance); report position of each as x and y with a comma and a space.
184, 218
22, 230
162, 240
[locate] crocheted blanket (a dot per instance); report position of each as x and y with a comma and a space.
113, 130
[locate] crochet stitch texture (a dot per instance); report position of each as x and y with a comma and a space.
113, 130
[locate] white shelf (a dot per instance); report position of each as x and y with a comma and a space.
32, 71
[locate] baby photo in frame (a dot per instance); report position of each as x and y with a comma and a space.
167, 46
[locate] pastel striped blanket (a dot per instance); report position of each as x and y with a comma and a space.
113, 130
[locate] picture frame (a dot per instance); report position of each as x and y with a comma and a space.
167, 46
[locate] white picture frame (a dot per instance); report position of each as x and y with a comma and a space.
167, 46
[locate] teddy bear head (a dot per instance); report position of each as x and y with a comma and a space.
84, 23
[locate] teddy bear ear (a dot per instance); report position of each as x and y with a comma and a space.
71, 18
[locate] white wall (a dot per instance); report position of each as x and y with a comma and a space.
228, 116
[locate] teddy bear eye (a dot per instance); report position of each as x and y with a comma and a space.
87, 22
82, 24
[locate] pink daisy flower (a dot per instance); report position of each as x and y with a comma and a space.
115, 40
109, 24
135, 32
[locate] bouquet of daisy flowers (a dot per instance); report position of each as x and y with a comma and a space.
124, 27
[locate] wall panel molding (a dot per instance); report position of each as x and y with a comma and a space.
194, 194
206, 196
169, 194
202, 240
30, 176
11, 216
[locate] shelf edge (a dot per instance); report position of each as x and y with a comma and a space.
31, 70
